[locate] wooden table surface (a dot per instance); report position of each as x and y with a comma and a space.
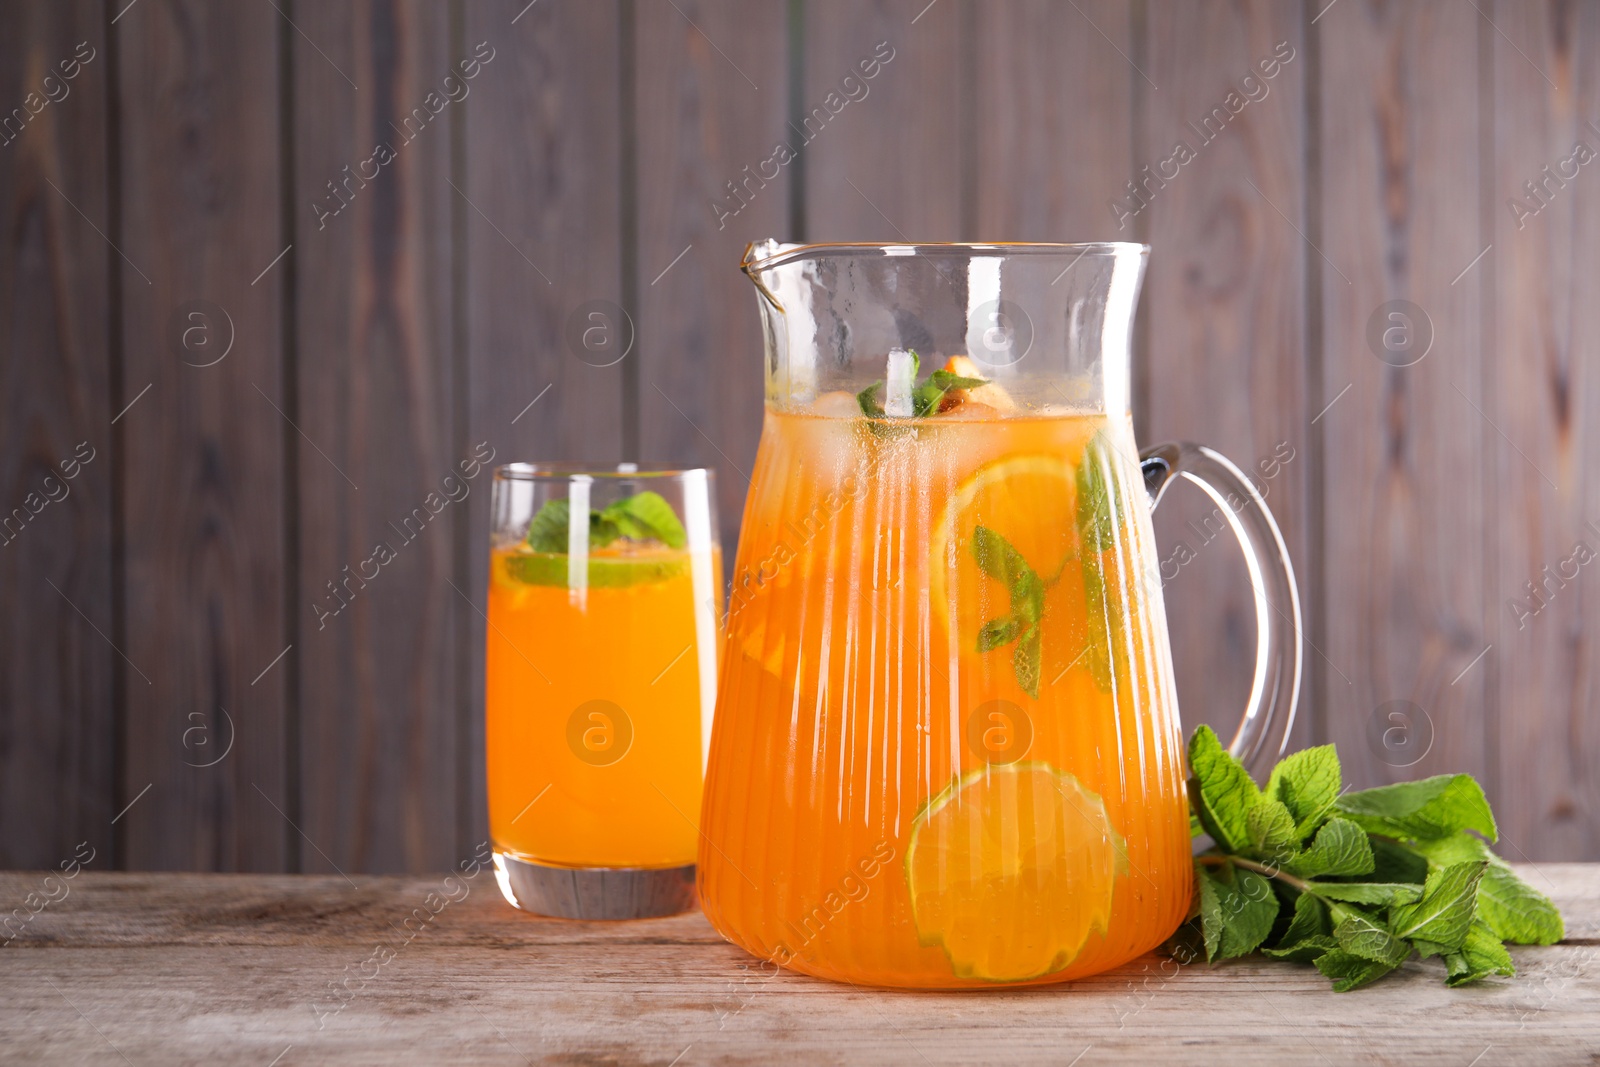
288, 969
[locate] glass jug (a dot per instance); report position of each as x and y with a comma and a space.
946, 750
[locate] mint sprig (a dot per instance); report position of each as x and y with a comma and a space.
1098, 480
645, 516
1353, 882
1000, 560
926, 398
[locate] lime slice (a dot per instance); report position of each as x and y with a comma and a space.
1011, 869
605, 572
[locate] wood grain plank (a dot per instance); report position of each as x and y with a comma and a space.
1543, 402
240, 970
543, 244
1054, 120
1401, 443
700, 127
885, 167
1225, 309
203, 484
144, 910
56, 689
377, 644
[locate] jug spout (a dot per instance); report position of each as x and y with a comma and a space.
758, 252
1049, 324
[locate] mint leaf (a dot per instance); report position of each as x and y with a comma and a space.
1481, 955
1027, 595
645, 516
928, 398
1361, 936
1305, 950
1511, 908
602, 531
925, 400
1096, 523
998, 559
1514, 910
1394, 862
1226, 791
1242, 913
548, 530
1307, 783
1350, 971
1421, 811
945, 379
871, 407
1448, 905
1271, 828
995, 556
1310, 919
642, 517
997, 632
1368, 892
1210, 909
1340, 847
1025, 661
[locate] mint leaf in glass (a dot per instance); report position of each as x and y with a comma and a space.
1000, 560
645, 516
997, 632
927, 398
548, 530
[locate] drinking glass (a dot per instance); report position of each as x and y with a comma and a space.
601, 665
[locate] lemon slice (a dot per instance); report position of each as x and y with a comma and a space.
1011, 869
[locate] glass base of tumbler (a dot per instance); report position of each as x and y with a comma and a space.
594, 892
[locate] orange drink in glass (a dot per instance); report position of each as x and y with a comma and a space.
604, 591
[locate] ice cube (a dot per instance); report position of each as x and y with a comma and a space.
899, 379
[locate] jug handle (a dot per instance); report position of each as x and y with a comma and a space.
1263, 733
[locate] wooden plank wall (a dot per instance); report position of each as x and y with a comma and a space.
280, 270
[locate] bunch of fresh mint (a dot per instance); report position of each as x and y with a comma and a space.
644, 516
1353, 882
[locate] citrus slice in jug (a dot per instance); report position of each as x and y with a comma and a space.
1011, 869
1030, 500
